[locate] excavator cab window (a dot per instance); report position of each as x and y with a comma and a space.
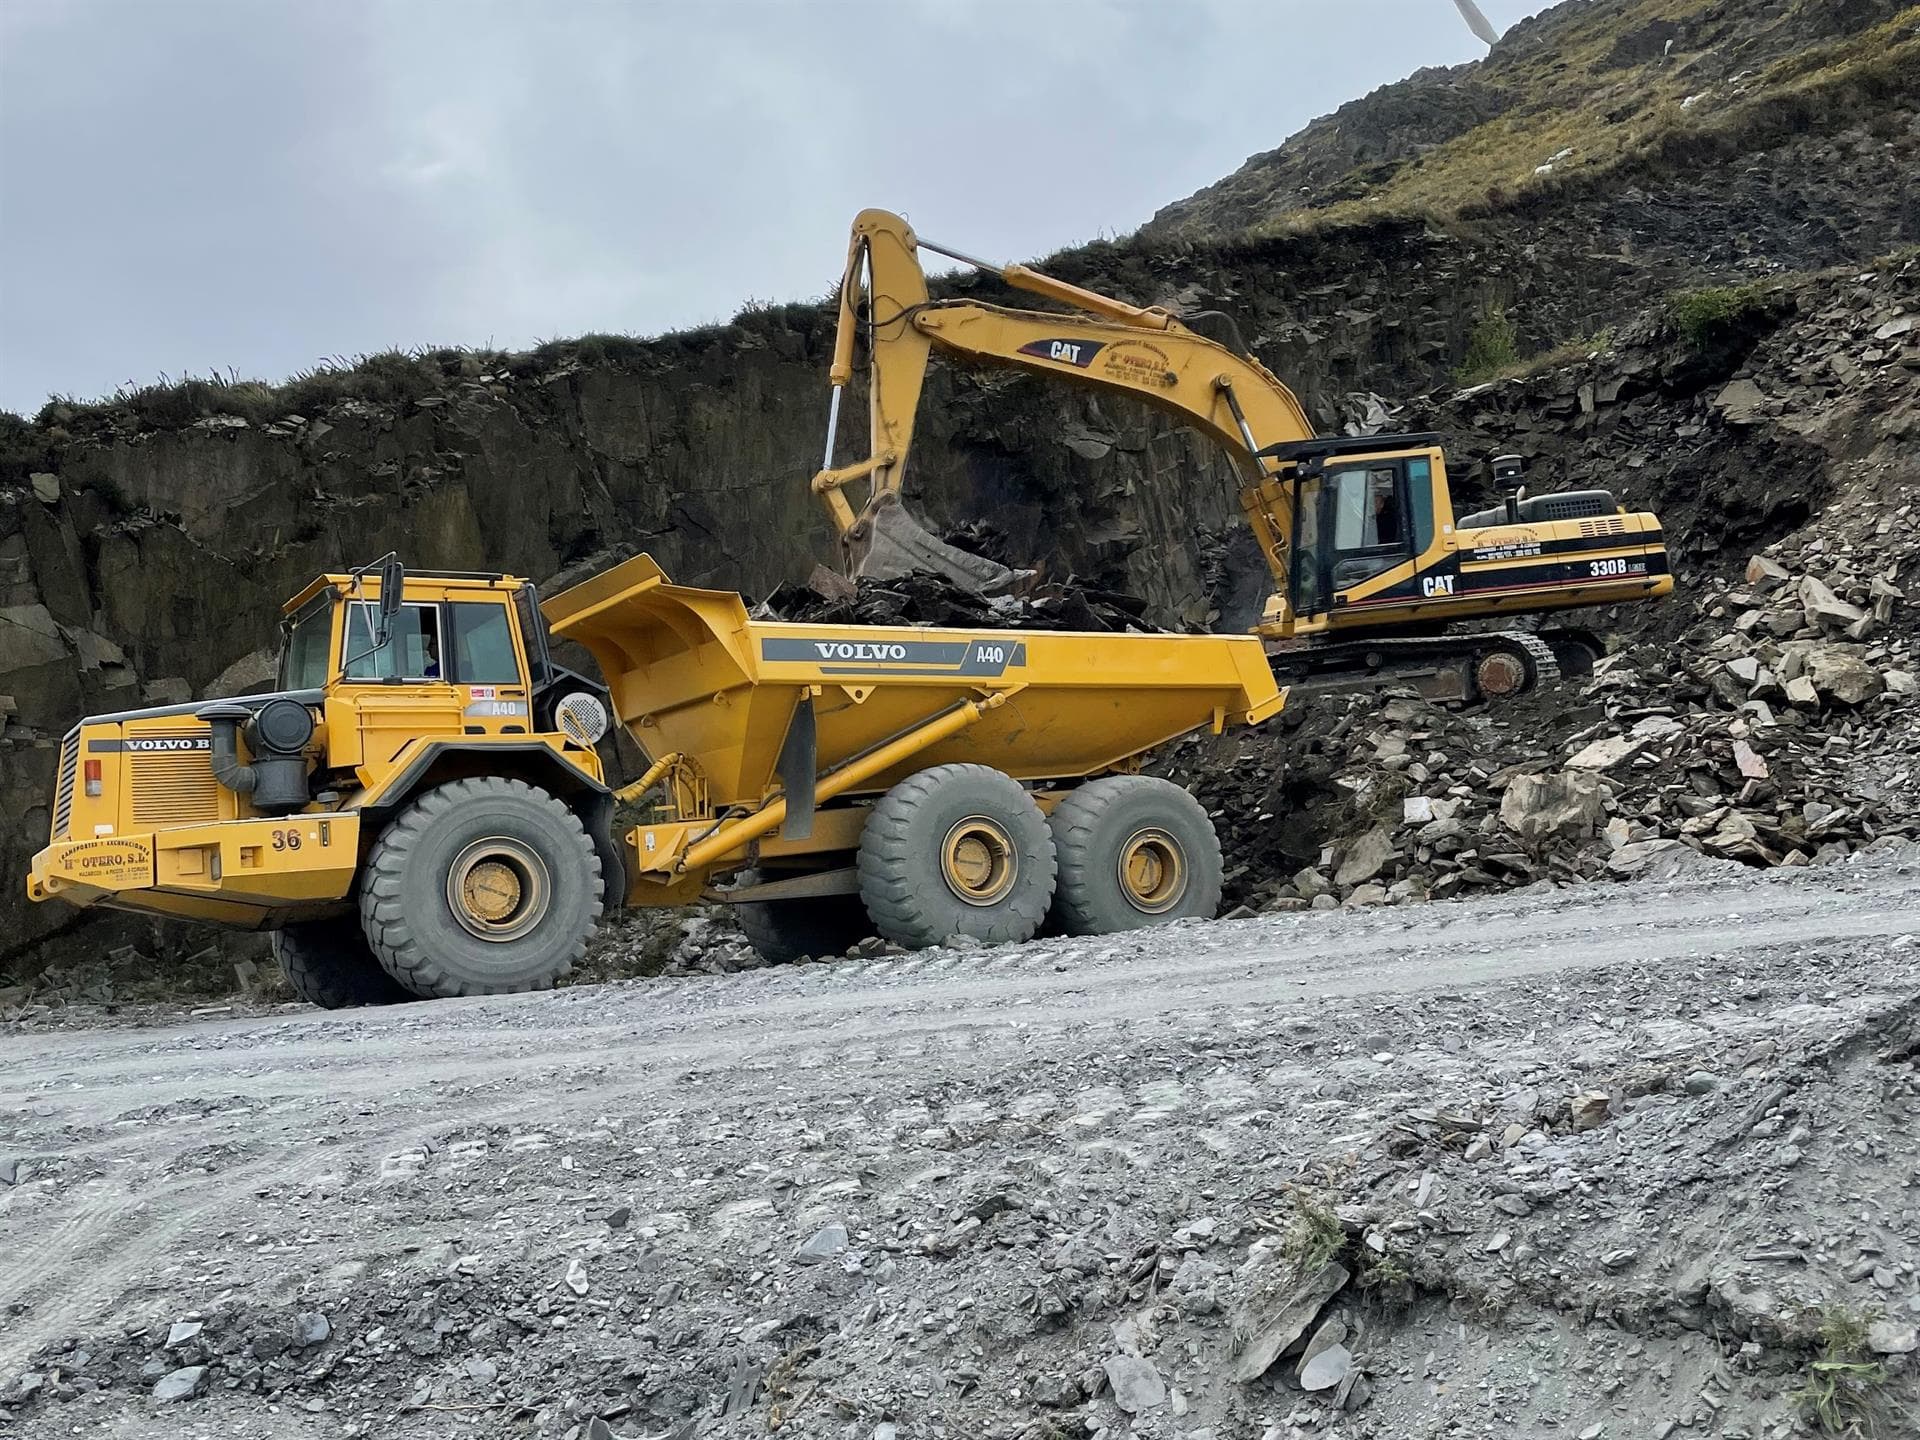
1367, 508
1307, 574
1371, 532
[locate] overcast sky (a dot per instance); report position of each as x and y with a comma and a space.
192, 185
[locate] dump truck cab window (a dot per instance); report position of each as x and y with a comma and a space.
412, 652
483, 649
304, 665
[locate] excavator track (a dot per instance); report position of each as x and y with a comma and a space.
1489, 665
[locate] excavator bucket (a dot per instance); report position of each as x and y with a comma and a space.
888, 543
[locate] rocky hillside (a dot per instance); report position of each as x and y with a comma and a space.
1669, 97
147, 540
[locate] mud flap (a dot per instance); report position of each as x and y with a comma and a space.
799, 759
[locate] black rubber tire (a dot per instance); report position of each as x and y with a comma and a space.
782, 931
902, 878
329, 963
1094, 824
409, 920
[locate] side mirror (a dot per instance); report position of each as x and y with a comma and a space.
393, 589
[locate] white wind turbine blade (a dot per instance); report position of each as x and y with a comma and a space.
1477, 22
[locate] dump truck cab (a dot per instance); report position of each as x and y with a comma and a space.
257, 811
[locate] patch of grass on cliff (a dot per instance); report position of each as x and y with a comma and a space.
1706, 317
390, 378
1492, 349
24, 448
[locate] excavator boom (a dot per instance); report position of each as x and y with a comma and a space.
1144, 351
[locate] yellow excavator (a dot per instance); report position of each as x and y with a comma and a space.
1372, 571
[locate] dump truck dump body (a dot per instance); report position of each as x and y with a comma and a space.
701, 685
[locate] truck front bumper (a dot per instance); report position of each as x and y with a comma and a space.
250, 873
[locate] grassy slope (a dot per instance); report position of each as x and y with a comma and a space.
1627, 119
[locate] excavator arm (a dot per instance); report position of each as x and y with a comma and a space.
1144, 352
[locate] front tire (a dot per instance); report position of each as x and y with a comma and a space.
329, 963
956, 850
484, 886
1134, 851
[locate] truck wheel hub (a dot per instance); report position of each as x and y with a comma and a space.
1153, 871
978, 860
497, 889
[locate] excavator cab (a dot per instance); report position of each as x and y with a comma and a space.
1363, 508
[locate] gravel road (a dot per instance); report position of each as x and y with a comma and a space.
433, 1183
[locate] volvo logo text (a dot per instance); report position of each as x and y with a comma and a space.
845, 650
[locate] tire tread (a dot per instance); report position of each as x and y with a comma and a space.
888, 883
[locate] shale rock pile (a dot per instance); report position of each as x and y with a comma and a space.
923, 599
1781, 728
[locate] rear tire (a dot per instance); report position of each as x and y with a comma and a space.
329, 963
782, 931
956, 850
483, 886
1134, 852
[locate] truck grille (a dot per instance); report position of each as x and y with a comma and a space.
63, 788
172, 787
1612, 525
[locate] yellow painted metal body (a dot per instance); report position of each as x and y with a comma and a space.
713, 697
1485, 570
693, 676
154, 831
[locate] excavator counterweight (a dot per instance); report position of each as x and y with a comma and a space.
1371, 571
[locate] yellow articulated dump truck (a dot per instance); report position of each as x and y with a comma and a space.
420, 810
